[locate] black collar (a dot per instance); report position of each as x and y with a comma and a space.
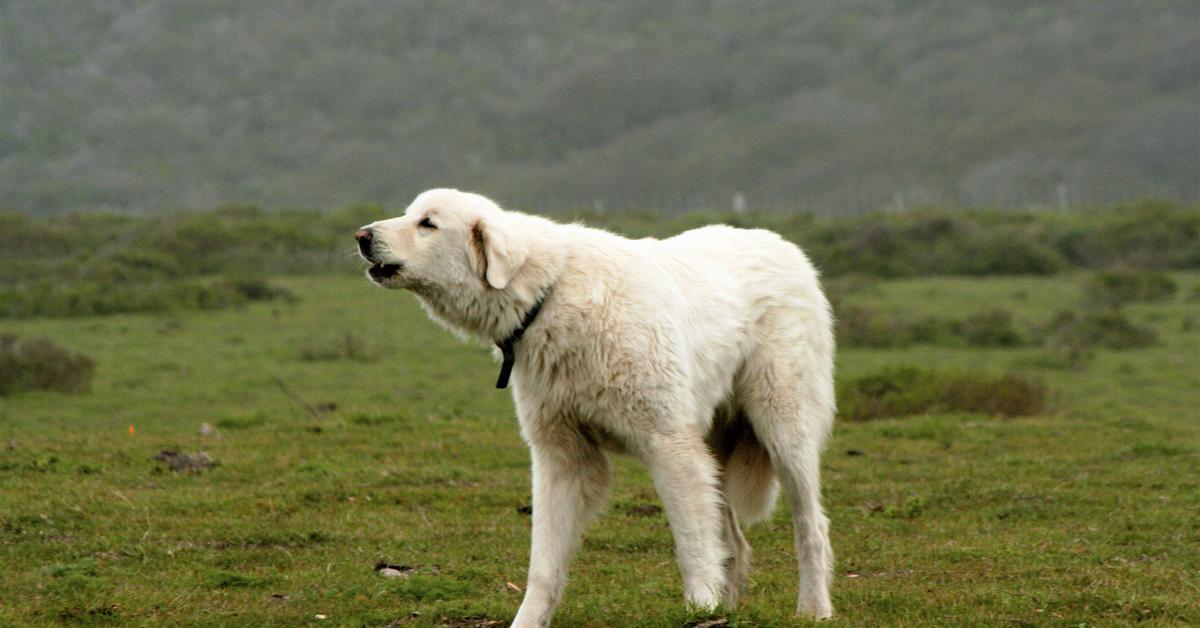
506, 345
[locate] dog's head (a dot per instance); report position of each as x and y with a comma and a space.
446, 240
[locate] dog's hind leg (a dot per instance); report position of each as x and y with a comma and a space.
787, 393
750, 489
737, 566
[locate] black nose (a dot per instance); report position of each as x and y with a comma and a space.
364, 237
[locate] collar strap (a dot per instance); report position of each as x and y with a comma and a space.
506, 345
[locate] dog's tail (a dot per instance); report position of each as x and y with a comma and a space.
748, 480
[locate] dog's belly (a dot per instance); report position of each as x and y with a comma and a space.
603, 438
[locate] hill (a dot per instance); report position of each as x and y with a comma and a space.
829, 104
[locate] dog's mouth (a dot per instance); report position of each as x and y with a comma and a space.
380, 272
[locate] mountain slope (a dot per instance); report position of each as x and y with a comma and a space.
833, 104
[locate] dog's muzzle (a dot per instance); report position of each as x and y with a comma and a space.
366, 243
366, 247
379, 272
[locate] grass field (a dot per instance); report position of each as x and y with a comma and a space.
1088, 514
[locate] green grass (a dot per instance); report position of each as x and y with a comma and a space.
1086, 514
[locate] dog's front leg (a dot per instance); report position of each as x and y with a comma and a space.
570, 483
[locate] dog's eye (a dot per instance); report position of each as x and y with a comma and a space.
428, 224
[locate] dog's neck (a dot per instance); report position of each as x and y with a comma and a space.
489, 314
507, 346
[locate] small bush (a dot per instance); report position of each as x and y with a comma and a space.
1000, 253
84, 468
993, 328
906, 390
40, 364
114, 295
371, 420
898, 391
1148, 234
836, 289
44, 463
1109, 329
241, 422
148, 263
863, 326
1005, 395
349, 346
254, 289
1114, 288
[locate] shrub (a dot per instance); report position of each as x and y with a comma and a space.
255, 289
349, 346
22, 236
838, 288
371, 420
40, 364
992, 328
863, 326
241, 422
1002, 253
906, 390
897, 391
1004, 395
114, 296
1114, 288
1107, 329
148, 263
1148, 234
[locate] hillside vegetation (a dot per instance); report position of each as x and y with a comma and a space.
829, 105
96, 263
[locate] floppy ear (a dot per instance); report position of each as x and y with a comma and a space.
497, 251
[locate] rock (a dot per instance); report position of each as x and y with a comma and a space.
388, 570
206, 429
178, 461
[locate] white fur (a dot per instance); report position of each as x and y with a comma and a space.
708, 356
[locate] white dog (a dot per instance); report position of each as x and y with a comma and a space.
708, 356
